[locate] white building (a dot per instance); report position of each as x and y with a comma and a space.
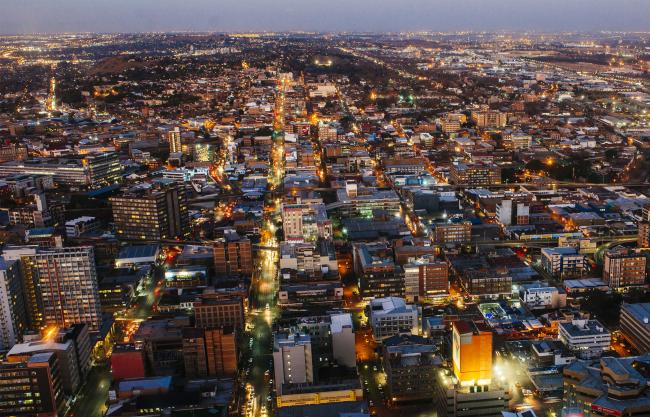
540, 296
292, 360
586, 338
80, 225
343, 347
390, 316
563, 262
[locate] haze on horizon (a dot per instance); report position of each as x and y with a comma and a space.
52, 16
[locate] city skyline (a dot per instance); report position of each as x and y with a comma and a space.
321, 16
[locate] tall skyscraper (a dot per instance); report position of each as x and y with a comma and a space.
151, 214
233, 255
174, 139
13, 316
61, 286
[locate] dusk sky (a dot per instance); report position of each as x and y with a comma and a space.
29, 16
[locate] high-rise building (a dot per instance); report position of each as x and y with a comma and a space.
410, 364
94, 171
624, 268
13, 315
469, 389
213, 311
643, 240
475, 175
390, 316
209, 352
586, 338
151, 214
490, 119
472, 352
635, 325
32, 387
66, 286
425, 279
174, 139
292, 360
454, 233
233, 255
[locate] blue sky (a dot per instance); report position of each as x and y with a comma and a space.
31, 16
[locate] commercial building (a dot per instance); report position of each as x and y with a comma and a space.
624, 268
174, 139
516, 140
509, 213
324, 294
469, 389
472, 352
354, 201
233, 255
80, 225
643, 240
215, 311
475, 174
377, 272
292, 360
635, 325
490, 119
486, 282
127, 362
343, 340
452, 232
563, 262
610, 387
410, 364
311, 260
586, 338
425, 279
391, 316
92, 171
60, 285
32, 387
539, 295
155, 213
305, 222
209, 352
13, 314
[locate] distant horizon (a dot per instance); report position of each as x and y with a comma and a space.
47, 17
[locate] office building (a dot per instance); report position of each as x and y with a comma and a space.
31, 388
516, 140
155, 213
174, 139
469, 389
643, 240
355, 201
233, 255
624, 268
215, 311
475, 174
377, 272
93, 171
310, 260
512, 213
13, 152
609, 387
66, 286
391, 316
472, 352
410, 364
586, 338
563, 262
13, 314
635, 325
127, 362
209, 352
343, 340
490, 119
305, 222
80, 225
292, 360
425, 279
452, 232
